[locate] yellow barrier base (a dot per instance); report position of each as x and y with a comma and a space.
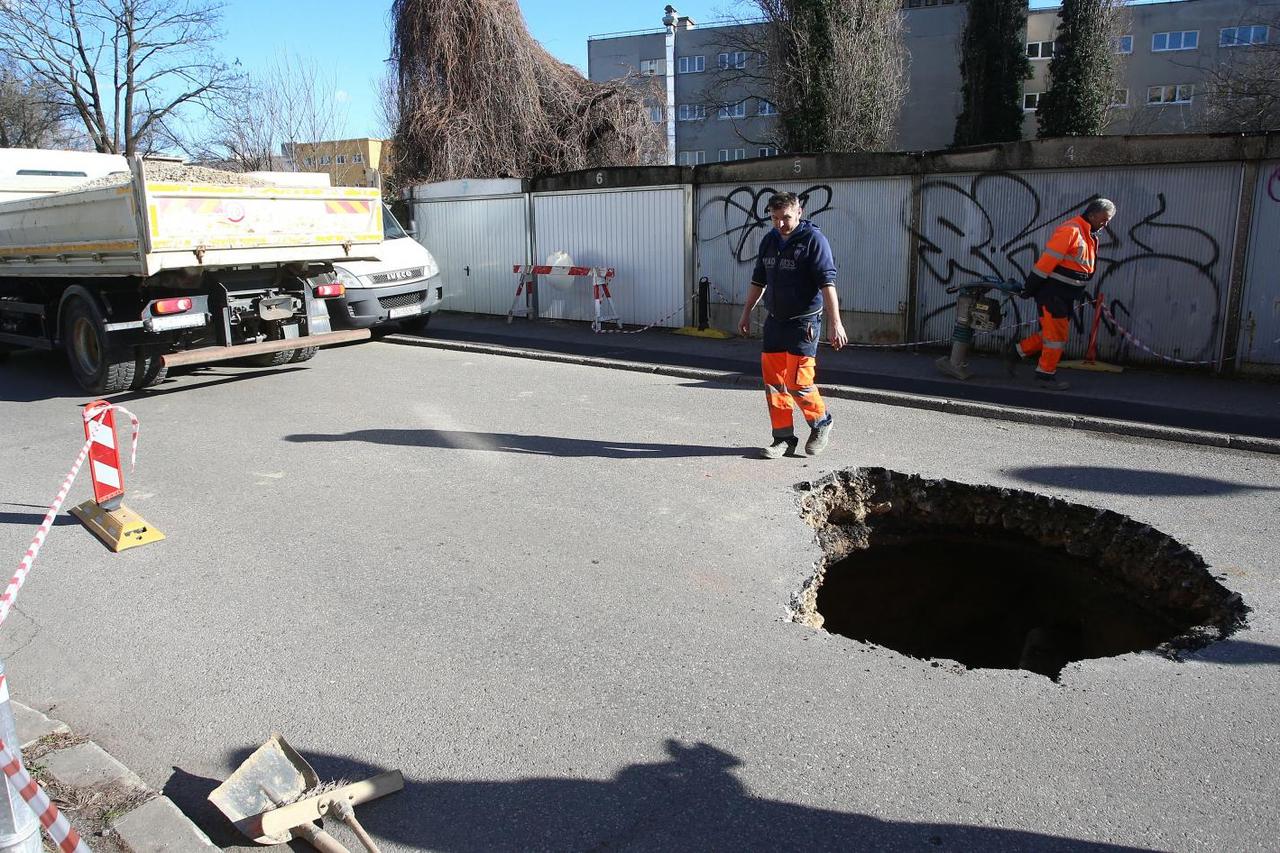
1099, 366
119, 529
695, 332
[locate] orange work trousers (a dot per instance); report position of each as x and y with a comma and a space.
1050, 342
788, 384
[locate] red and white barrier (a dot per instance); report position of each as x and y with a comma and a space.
60, 832
93, 414
600, 278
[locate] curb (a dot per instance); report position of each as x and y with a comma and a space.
1037, 417
153, 825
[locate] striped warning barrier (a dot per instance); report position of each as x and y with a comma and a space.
92, 414
60, 832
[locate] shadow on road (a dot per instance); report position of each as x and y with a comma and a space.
1236, 653
27, 377
33, 519
1129, 481
690, 801
543, 445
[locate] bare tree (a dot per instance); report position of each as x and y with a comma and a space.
1241, 92
479, 97
30, 115
836, 71
123, 67
294, 100
387, 107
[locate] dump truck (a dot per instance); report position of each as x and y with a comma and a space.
132, 266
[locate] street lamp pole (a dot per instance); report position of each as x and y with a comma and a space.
669, 21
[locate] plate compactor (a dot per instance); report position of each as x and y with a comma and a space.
975, 312
275, 797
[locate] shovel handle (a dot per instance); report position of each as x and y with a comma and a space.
318, 838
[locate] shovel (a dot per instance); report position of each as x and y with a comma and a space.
274, 797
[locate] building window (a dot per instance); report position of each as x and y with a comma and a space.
728, 154
655, 115
1241, 36
691, 158
1031, 101
324, 160
766, 108
738, 110
1184, 40
1040, 50
691, 112
649, 67
357, 158
308, 161
341, 160
691, 64
768, 152
914, 4
1120, 98
1122, 44
734, 59
1171, 94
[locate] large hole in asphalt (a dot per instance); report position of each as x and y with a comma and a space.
1000, 578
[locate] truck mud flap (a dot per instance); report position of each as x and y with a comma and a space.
205, 355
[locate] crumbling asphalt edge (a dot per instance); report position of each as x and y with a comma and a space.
1038, 417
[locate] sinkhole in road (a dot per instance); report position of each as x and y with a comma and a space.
1000, 578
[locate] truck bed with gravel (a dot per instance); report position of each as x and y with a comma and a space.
134, 266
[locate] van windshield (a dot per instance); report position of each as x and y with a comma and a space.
391, 229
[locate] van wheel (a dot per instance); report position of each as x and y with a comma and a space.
84, 337
304, 354
271, 359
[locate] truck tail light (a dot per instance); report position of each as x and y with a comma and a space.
171, 306
328, 291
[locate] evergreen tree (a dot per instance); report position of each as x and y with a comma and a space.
1082, 71
993, 64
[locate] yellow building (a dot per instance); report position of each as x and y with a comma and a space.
349, 162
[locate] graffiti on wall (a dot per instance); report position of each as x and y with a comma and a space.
747, 220
1273, 185
995, 223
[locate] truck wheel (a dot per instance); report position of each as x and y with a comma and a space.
271, 359
304, 354
148, 369
84, 337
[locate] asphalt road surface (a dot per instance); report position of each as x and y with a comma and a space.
556, 598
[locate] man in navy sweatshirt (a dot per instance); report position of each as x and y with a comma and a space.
796, 275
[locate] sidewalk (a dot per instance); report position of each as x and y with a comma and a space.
1193, 407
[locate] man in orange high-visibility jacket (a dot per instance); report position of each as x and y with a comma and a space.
1057, 283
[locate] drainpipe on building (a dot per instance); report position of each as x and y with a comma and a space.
669, 21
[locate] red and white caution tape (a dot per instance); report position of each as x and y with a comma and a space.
655, 323
10, 594
1133, 339
60, 832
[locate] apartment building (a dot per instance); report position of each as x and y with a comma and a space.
1165, 54
349, 162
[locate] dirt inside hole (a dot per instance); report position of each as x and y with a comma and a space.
1000, 578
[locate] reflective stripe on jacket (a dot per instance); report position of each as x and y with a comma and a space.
1071, 254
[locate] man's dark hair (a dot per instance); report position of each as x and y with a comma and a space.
781, 201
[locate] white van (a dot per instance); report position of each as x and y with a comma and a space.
402, 286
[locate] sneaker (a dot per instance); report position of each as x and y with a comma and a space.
1051, 382
1012, 357
780, 447
818, 437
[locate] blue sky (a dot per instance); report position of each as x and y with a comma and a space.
353, 38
